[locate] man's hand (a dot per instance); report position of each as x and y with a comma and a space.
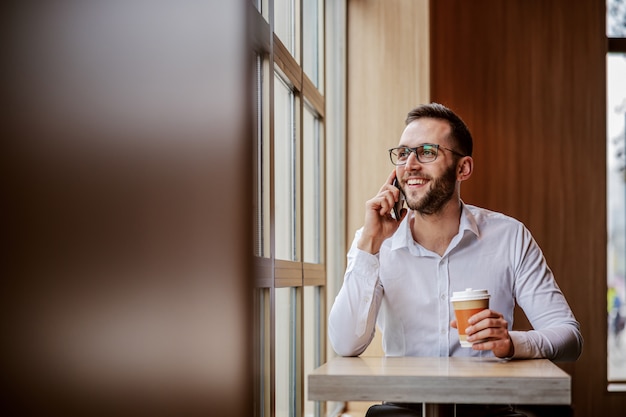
490, 326
379, 224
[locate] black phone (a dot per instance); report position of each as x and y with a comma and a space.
397, 208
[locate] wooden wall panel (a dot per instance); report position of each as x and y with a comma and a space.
387, 75
528, 77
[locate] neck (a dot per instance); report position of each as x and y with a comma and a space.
435, 231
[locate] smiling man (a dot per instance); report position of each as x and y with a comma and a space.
401, 273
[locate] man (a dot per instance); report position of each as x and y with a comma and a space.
401, 273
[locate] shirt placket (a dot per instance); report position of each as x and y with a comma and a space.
443, 286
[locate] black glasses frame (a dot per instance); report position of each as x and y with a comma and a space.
392, 151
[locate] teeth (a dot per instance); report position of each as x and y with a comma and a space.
416, 181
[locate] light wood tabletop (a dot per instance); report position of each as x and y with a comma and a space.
441, 380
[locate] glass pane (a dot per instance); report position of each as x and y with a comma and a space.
284, 170
616, 216
312, 342
262, 6
266, 158
262, 360
258, 159
261, 159
285, 23
285, 351
312, 183
616, 18
312, 30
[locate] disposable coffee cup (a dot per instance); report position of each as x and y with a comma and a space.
466, 304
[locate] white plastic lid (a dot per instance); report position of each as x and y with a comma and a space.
469, 294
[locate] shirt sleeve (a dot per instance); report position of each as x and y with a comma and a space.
352, 319
556, 332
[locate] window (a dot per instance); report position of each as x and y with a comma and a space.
616, 216
290, 203
285, 171
616, 195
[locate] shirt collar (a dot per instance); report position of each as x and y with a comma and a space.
404, 239
468, 220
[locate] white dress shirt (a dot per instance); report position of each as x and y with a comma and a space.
406, 290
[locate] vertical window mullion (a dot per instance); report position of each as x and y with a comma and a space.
317, 189
294, 176
259, 229
293, 354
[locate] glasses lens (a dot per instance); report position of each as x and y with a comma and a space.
427, 153
399, 155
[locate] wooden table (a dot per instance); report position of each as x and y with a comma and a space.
435, 381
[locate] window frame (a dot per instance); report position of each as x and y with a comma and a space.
272, 273
615, 45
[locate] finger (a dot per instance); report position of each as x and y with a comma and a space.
491, 333
485, 345
496, 324
498, 335
501, 348
453, 324
484, 314
389, 182
383, 200
387, 200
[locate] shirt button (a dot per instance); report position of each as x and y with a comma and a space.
366, 299
443, 331
443, 296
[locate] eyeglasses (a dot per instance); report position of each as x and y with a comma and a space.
425, 153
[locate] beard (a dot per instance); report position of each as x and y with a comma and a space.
440, 193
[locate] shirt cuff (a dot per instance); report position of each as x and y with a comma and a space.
366, 265
521, 345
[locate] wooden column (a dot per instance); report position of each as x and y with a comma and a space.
528, 77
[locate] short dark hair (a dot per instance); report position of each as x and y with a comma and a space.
459, 131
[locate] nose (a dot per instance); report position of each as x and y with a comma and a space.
412, 162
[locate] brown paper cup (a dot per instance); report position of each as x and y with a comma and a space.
466, 304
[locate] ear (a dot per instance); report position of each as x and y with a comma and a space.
465, 167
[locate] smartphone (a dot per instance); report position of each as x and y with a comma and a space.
397, 208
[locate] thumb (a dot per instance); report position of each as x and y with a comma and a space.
453, 324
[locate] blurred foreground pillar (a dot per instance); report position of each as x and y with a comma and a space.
126, 188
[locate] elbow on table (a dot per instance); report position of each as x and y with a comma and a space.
344, 347
569, 349
558, 345
578, 346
